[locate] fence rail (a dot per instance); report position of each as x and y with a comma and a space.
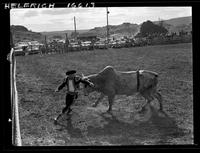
16, 135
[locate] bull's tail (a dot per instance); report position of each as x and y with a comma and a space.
154, 81
155, 78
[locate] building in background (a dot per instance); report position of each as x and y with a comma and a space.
87, 37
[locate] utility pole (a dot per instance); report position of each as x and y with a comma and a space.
75, 27
107, 12
160, 22
66, 43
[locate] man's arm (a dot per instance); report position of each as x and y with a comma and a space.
87, 82
62, 85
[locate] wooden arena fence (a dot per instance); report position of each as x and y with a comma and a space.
16, 135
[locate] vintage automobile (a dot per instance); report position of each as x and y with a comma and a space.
86, 45
19, 50
121, 43
74, 46
33, 49
100, 45
128, 44
112, 44
116, 44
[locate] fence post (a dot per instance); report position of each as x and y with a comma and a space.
16, 136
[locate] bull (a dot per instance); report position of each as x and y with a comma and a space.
110, 82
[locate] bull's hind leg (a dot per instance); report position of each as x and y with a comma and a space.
110, 100
158, 96
148, 99
147, 94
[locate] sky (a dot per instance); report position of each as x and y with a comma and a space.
58, 19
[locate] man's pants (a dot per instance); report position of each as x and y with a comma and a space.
69, 99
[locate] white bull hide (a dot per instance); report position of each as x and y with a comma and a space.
110, 82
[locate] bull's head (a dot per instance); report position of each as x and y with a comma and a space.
87, 88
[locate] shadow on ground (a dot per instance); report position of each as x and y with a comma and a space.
149, 126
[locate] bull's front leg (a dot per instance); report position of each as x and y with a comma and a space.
160, 99
110, 100
98, 100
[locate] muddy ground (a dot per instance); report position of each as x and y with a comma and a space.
38, 76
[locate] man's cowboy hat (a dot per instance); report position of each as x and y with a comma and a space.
70, 72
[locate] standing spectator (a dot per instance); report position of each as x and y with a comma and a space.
92, 43
66, 44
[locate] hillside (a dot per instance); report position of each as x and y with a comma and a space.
62, 33
179, 21
21, 33
125, 29
178, 24
172, 25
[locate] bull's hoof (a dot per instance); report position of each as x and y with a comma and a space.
55, 121
94, 105
143, 110
109, 111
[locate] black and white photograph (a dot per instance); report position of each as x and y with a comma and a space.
102, 76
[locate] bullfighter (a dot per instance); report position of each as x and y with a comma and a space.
72, 82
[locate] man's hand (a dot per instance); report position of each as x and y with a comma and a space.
91, 85
56, 90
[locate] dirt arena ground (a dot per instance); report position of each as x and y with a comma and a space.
38, 76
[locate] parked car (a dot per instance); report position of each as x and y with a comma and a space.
116, 44
100, 45
18, 50
121, 43
33, 49
112, 44
86, 45
74, 46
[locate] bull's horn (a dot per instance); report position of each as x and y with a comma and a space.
82, 75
